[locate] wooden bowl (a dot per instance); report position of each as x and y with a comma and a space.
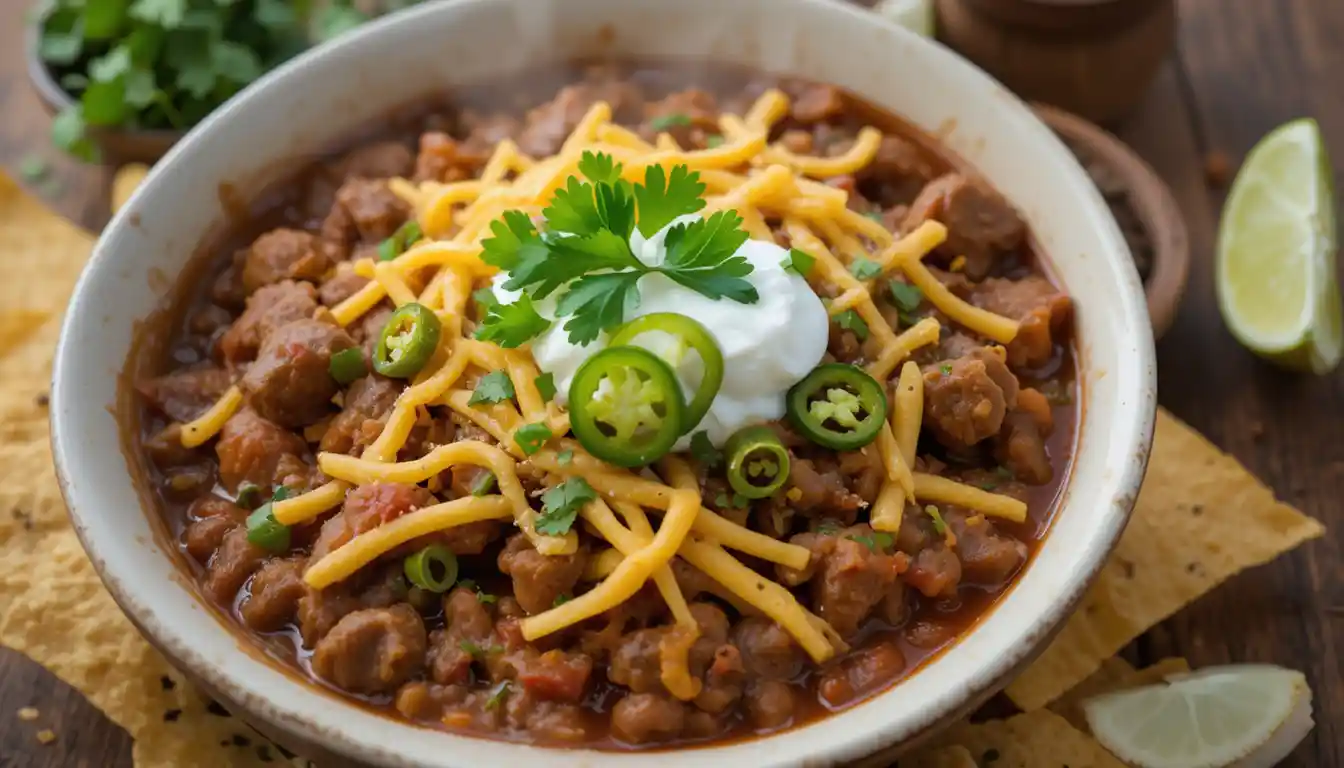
1153, 204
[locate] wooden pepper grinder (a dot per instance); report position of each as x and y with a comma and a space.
1095, 58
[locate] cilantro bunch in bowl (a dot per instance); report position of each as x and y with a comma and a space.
160, 66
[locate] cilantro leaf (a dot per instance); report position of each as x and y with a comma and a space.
570, 258
799, 262
510, 325
663, 122
573, 209
663, 198
561, 504
515, 240
494, 387
704, 451
702, 257
531, 437
852, 321
905, 296
595, 303
828, 526
484, 297
864, 269
564, 457
713, 141
166, 13
877, 542
545, 384
600, 167
616, 207
560, 600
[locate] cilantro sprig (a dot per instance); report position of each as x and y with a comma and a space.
561, 504
166, 64
584, 256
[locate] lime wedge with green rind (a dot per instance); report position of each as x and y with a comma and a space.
1276, 273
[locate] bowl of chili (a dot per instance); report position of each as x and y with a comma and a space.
112, 472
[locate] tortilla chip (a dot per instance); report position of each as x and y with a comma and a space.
1114, 675
49, 592
1200, 518
955, 756
1039, 739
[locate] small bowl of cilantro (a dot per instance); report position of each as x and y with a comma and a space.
125, 79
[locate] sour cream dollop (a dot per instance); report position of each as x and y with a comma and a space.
767, 347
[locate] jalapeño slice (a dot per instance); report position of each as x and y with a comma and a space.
685, 333
758, 462
838, 406
625, 406
407, 341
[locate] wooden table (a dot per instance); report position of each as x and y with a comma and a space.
1243, 67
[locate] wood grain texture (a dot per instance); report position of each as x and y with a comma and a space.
1243, 67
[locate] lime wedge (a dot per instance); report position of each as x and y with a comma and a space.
1247, 716
1276, 253
914, 15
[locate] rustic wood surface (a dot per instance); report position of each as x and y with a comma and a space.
1243, 67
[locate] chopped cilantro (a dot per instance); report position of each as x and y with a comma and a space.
511, 325
531, 437
875, 216
713, 140
663, 122
560, 600
740, 501
704, 451
905, 296
721, 501
497, 696
476, 651
877, 542
564, 457
485, 597
799, 262
560, 506
828, 526
851, 321
545, 384
945, 369
864, 269
494, 387
281, 493
939, 524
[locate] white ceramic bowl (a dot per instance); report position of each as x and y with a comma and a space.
319, 98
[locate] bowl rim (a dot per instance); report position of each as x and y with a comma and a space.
305, 726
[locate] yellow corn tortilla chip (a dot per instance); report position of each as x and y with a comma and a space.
1039, 739
1200, 518
49, 592
1114, 675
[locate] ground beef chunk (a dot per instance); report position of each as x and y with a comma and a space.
988, 558
234, 561
290, 383
823, 490
899, 170
467, 629
283, 254
441, 159
929, 633
1042, 311
539, 579
369, 327
378, 586
769, 704
366, 210
184, 395
981, 224
368, 507
818, 104
635, 663
1021, 448
227, 290
267, 309
767, 650
340, 287
550, 124
210, 519
689, 116
368, 401
484, 132
863, 672
935, 571
381, 160
851, 579
252, 449
165, 449
647, 717
273, 594
554, 675
965, 399
372, 651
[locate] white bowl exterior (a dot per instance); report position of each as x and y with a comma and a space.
316, 101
